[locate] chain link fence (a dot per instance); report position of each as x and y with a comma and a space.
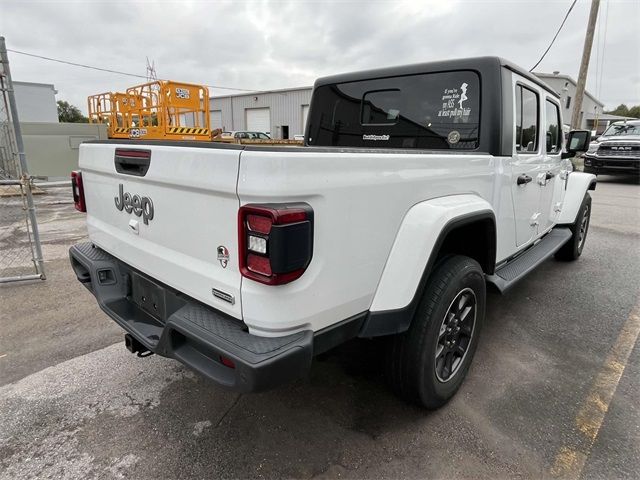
20, 250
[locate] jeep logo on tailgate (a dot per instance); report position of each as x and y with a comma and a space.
141, 206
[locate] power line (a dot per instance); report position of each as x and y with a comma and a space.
555, 36
109, 70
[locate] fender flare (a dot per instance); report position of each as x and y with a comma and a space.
413, 256
577, 185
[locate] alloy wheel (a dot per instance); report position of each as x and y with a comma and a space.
456, 332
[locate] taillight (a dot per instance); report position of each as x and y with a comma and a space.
275, 241
78, 191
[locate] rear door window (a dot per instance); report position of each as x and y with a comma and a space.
427, 111
527, 115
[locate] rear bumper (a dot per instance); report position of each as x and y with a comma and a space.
173, 325
611, 165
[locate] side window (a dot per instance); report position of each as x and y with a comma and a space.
552, 129
438, 110
526, 120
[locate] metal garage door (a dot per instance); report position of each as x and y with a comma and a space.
258, 120
187, 120
305, 114
216, 119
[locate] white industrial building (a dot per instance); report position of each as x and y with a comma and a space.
281, 113
592, 116
36, 102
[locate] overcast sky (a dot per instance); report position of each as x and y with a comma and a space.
265, 45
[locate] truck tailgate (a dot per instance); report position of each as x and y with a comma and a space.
186, 215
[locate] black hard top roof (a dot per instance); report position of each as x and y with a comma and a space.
475, 63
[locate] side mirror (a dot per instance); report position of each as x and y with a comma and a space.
577, 141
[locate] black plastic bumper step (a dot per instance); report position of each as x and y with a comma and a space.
515, 270
203, 338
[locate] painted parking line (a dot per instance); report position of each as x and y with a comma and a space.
570, 459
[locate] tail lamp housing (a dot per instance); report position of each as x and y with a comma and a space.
275, 241
78, 191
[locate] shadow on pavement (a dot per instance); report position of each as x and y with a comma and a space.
621, 179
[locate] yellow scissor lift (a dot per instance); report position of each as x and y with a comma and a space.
160, 110
113, 109
171, 111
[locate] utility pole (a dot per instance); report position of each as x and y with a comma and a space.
576, 118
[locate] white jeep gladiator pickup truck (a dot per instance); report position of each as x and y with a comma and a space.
416, 187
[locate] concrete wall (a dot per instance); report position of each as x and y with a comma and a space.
36, 102
52, 148
285, 108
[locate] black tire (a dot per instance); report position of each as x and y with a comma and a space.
573, 248
415, 372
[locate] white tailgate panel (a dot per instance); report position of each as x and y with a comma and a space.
195, 210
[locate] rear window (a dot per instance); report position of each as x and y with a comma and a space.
428, 111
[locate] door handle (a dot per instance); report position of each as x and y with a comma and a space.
524, 179
132, 161
549, 175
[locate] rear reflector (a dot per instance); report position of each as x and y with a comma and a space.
78, 191
227, 362
275, 241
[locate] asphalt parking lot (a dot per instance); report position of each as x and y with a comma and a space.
553, 390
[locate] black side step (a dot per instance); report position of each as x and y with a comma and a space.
515, 270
